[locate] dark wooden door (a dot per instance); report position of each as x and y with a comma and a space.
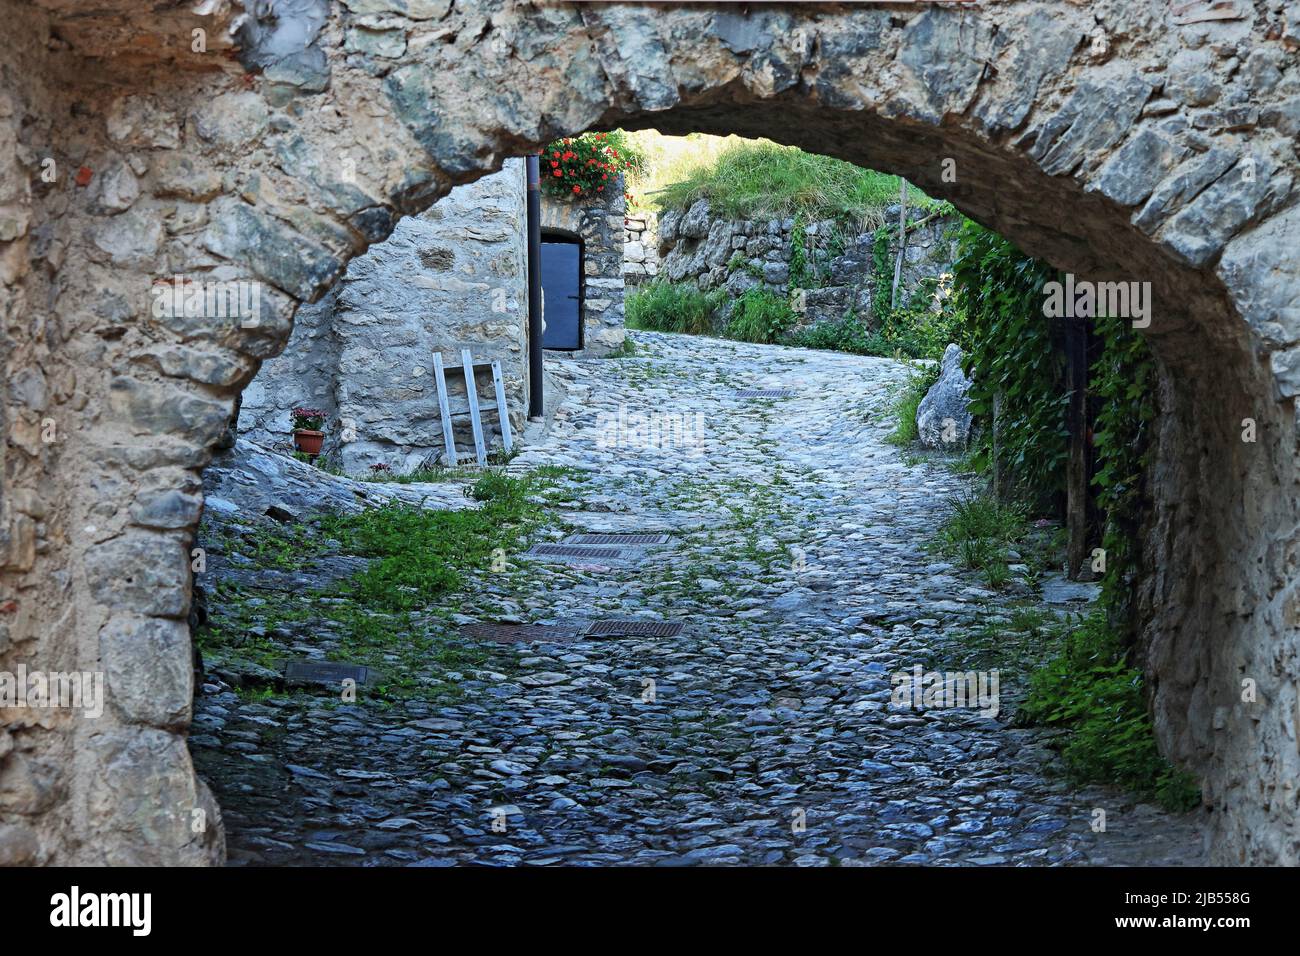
562, 294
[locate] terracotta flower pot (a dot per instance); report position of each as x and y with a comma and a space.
308, 440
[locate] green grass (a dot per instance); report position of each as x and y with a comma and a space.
759, 315
1091, 690
763, 180
907, 402
673, 307
981, 533
391, 615
423, 553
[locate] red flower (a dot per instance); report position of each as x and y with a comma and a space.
577, 189
557, 173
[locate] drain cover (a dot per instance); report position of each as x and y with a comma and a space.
575, 551
619, 538
324, 672
764, 392
634, 629
515, 633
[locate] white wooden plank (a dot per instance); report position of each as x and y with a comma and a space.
503, 413
444, 409
471, 392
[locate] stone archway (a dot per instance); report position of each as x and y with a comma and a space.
1113, 140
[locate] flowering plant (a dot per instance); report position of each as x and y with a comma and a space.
311, 419
588, 165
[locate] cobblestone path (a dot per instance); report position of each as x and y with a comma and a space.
763, 733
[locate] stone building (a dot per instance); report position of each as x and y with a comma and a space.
451, 278
588, 238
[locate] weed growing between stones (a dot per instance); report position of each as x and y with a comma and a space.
626, 349
386, 615
1091, 692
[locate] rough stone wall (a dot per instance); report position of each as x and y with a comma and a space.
1118, 139
600, 226
304, 374
640, 249
452, 277
839, 273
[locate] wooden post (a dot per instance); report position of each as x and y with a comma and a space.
1076, 471
902, 241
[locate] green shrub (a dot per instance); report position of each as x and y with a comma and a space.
673, 307
918, 333
1091, 691
848, 334
761, 316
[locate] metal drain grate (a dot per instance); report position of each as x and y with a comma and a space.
764, 392
575, 551
619, 538
634, 629
516, 633
324, 672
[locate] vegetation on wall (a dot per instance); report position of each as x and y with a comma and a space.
763, 180
1091, 688
1123, 377
1009, 352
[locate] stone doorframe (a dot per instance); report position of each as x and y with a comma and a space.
1106, 137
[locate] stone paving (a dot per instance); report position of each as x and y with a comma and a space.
762, 734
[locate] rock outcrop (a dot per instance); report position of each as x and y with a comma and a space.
943, 419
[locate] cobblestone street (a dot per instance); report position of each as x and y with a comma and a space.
763, 733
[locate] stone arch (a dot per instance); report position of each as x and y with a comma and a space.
1111, 139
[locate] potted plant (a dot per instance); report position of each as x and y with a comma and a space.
307, 434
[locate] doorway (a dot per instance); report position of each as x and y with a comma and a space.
562, 292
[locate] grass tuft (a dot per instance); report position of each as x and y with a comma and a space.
673, 307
